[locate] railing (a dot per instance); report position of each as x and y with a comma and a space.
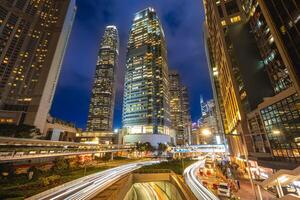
152, 171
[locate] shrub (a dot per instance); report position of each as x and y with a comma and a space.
45, 181
60, 165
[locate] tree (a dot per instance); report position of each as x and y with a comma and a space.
148, 147
141, 147
60, 165
162, 147
19, 131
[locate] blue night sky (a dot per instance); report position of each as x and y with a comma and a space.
182, 23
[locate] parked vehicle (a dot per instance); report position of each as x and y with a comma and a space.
224, 190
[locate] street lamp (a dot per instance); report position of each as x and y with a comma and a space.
206, 132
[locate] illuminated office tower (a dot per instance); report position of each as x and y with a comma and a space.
34, 36
187, 119
102, 103
274, 124
256, 47
283, 20
176, 107
179, 109
146, 116
238, 72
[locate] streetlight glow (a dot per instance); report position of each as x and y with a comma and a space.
206, 132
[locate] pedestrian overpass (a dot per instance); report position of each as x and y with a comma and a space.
205, 148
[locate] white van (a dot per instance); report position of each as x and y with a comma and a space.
224, 190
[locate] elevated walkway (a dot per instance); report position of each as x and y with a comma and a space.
281, 178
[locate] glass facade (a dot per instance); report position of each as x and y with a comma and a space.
102, 103
179, 109
282, 125
146, 90
271, 58
286, 18
256, 140
221, 64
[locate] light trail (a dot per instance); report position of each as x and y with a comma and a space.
201, 192
89, 186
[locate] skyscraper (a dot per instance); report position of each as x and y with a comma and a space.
34, 36
179, 109
283, 20
176, 107
146, 114
220, 16
102, 103
187, 119
273, 125
209, 121
250, 45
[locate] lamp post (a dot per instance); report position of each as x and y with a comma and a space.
207, 133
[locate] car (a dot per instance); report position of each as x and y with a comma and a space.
224, 190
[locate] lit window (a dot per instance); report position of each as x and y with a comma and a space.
235, 19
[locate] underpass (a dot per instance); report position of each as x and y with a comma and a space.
160, 185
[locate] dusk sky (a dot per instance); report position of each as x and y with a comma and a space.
182, 23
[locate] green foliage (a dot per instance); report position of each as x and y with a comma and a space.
36, 172
162, 147
174, 165
60, 165
20, 131
120, 158
19, 187
6, 169
142, 147
106, 157
46, 181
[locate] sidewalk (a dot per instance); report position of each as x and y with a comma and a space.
246, 192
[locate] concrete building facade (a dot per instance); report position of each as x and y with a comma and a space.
34, 36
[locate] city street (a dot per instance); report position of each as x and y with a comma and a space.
190, 176
89, 186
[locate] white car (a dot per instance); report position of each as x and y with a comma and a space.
224, 190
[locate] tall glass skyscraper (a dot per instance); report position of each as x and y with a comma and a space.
146, 114
102, 103
179, 109
33, 40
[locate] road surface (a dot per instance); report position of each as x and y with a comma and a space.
89, 186
201, 192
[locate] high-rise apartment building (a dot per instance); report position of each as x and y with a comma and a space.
146, 115
252, 56
33, 40
102, 103
179, 109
